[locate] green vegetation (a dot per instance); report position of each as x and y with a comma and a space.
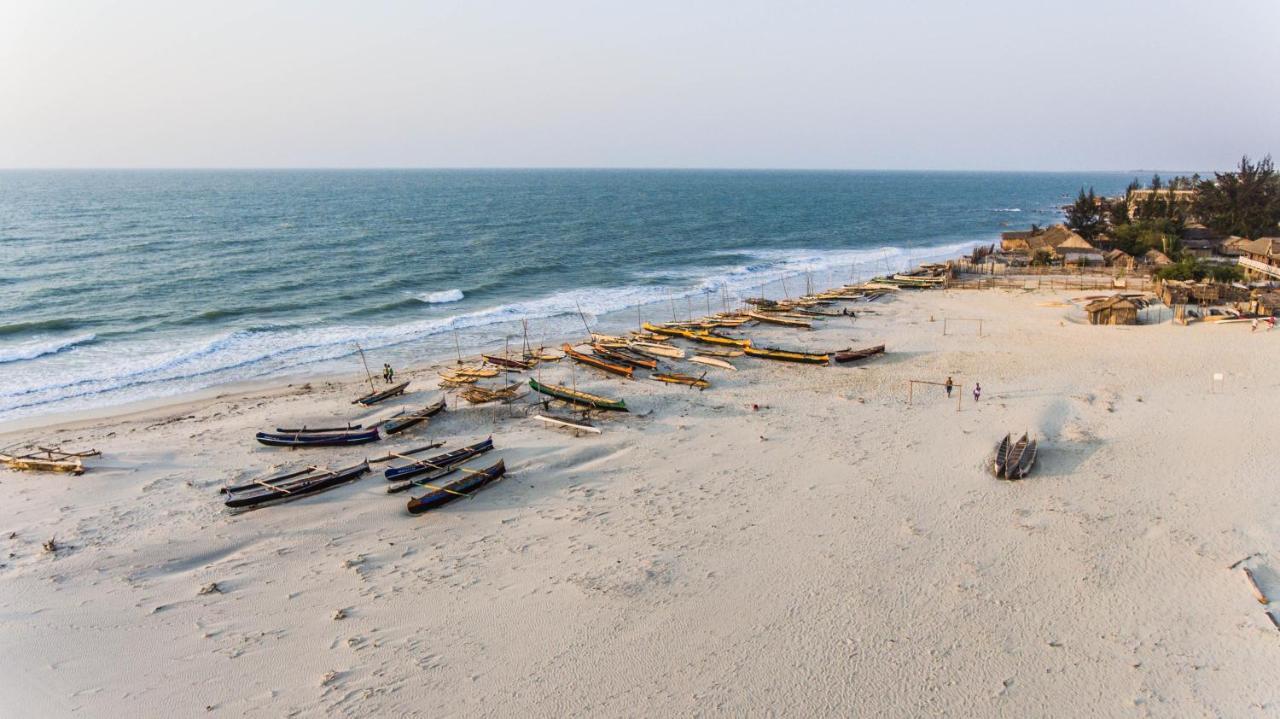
1245, 202
1086, 216
1136, 238
1189, 268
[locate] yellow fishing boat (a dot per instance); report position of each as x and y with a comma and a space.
787, 355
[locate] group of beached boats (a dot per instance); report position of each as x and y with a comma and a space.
412, 473
1014, 458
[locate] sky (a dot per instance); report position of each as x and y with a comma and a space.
997, 85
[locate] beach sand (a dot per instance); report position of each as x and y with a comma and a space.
834, 552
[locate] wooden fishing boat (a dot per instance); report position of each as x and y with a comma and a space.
573, 396
786, 355
1001, 460
1025, 461
855, 355
713, 362
318, 439
449, 379
469, 483
376, 397
673, 378
657, 350
290, 486
711, 352
598, 338
577, 427
405, 452
711, 338
48, 459
667, 331
783, 321
483, 395
598, 363
304, 428
478, 372
405, 421
507, 362
418, 467
622, 358
1015, 455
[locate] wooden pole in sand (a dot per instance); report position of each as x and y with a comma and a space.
366, 367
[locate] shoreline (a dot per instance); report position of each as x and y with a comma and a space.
795, 536
438, 347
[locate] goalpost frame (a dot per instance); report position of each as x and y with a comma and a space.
946, 320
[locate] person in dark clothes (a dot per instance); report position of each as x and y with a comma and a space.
950, 385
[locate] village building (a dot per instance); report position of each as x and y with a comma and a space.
1075, 250
1121, 259
1116, 310
1156, 258
1261, 257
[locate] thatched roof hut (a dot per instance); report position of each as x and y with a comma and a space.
1115, 310
1156, 258
1120, 258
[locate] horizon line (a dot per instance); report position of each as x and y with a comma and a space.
553, 168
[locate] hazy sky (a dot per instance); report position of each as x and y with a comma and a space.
1022, 84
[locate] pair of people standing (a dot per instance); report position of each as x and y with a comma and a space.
977, 389
388, 374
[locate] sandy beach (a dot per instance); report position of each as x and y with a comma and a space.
834, 552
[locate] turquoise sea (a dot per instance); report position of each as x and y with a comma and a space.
124, 285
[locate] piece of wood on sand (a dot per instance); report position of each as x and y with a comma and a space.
1253, 585
567, 425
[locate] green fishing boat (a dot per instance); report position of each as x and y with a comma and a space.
573, 396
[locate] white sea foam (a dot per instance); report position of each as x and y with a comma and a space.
41, 347
441, 297
155, 368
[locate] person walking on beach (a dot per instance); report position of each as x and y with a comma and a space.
388, 374
950, 384
1253, 326
977, 391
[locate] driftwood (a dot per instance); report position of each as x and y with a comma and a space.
1253, 585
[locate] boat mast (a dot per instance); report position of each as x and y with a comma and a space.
366, 368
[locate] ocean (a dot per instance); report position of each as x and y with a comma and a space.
118, 286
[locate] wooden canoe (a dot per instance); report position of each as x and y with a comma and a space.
622, 358
318, 439
1025, 461
713, 362
712, 338
376, 397
507, 362
1002, 456
720, 353
470, 482
291, 486
657, 350
855, 355
403, 422
598, 363
573, 396
575, 426
786, 355
668, 331
783, 321
672, 378
1015, 455
431, 465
